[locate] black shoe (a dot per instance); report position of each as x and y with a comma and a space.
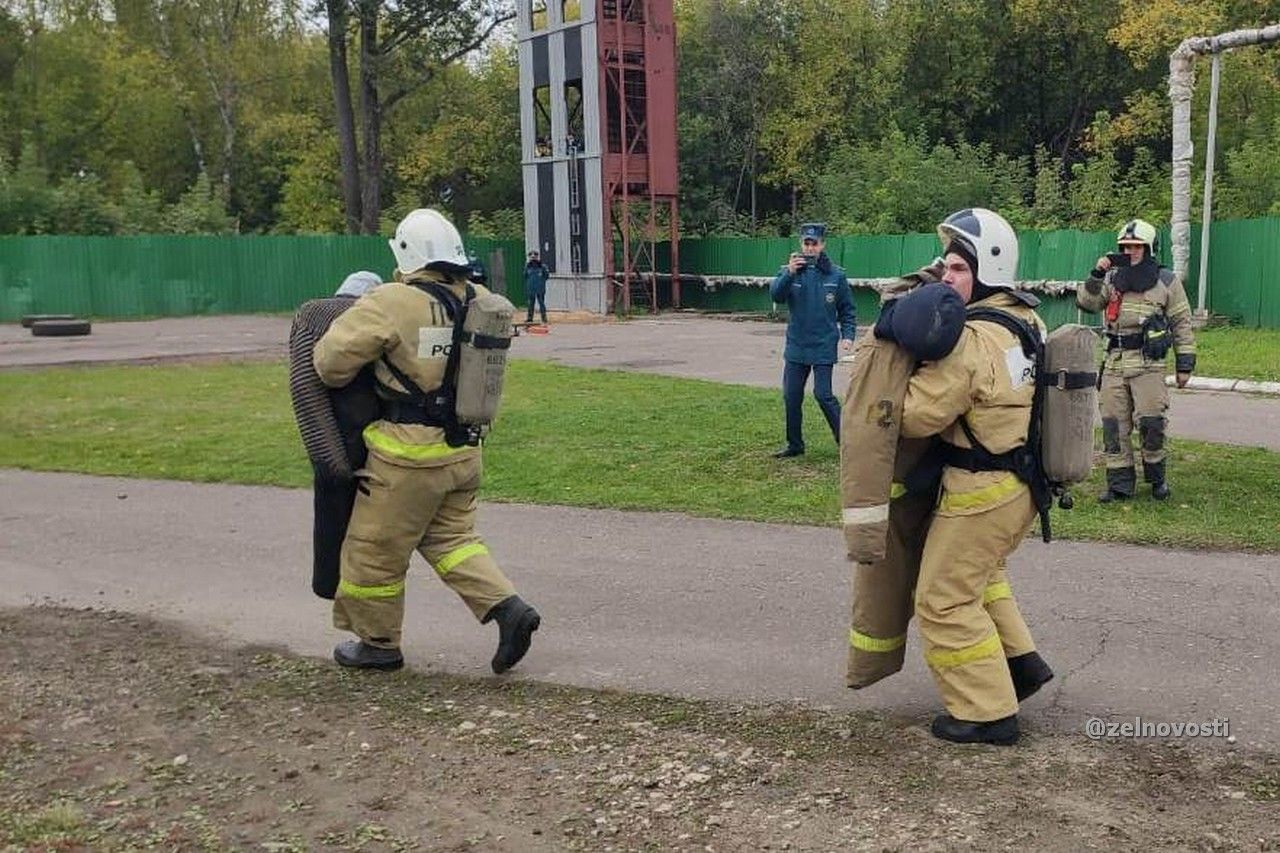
1002, 732
516, 623
788, 452
1029, 673
360, 655
1153, 472
1121, 484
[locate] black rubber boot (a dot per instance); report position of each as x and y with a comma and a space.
788, 452
1029, 673
516, 623
1154, 474
1002, 732
1120, 485
358, 654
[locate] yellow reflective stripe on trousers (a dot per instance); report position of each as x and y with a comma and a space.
998, 490
896, 491
944, 658
390, 590
865, 514
415, 452
996, 591
866, 643
446, 563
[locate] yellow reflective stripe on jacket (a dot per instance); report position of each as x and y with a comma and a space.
997, 591
390, 590
450, 560
380, 441
992, 494
866, 643
896, 491
944, 658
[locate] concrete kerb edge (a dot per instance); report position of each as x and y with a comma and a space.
1240, 386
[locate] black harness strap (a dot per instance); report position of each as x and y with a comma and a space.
1069, 380
1115, 341
416, 406
1023, 461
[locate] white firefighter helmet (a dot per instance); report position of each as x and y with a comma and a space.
989, 238
1139, 232
425, 237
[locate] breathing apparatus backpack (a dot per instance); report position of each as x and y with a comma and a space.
466, 402
1059, 448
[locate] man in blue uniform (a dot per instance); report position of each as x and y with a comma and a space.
820, 326
535, 285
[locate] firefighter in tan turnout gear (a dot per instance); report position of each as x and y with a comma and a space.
418, 489
978, 398
1145, 313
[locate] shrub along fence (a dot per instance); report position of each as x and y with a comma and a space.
119, 277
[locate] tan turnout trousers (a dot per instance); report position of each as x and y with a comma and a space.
430, 510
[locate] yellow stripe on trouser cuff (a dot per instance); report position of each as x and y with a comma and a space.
981, 497
457, 555
350, 590
418, 452
866, 643
944, 658
997, 591
866, 514
896, 491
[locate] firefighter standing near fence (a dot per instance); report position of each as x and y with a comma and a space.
418, 490
1145, 314
978, 398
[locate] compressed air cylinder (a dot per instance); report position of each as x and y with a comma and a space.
1066, 438
482, 362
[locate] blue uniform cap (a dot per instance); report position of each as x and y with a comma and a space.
928, 321
813, 231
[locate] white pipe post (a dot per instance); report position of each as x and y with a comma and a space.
1181, 84
1207, 216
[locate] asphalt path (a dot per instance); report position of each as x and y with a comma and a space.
643, 601
660, 602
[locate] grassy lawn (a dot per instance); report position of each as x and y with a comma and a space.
568, 436
1236, 353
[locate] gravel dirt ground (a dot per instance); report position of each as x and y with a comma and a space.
119, 732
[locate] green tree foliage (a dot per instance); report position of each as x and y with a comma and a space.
26, 200
505, 224
902, 184
144, 116
1252, 186
460, 139
200, 210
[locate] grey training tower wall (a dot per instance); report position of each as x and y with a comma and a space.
560, 136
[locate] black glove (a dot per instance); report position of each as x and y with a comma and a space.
1185, 363
884, 324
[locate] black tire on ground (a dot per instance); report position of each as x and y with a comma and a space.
28, 319
60, 328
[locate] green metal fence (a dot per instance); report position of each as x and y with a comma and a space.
112, 277
166, 275
1049, 255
